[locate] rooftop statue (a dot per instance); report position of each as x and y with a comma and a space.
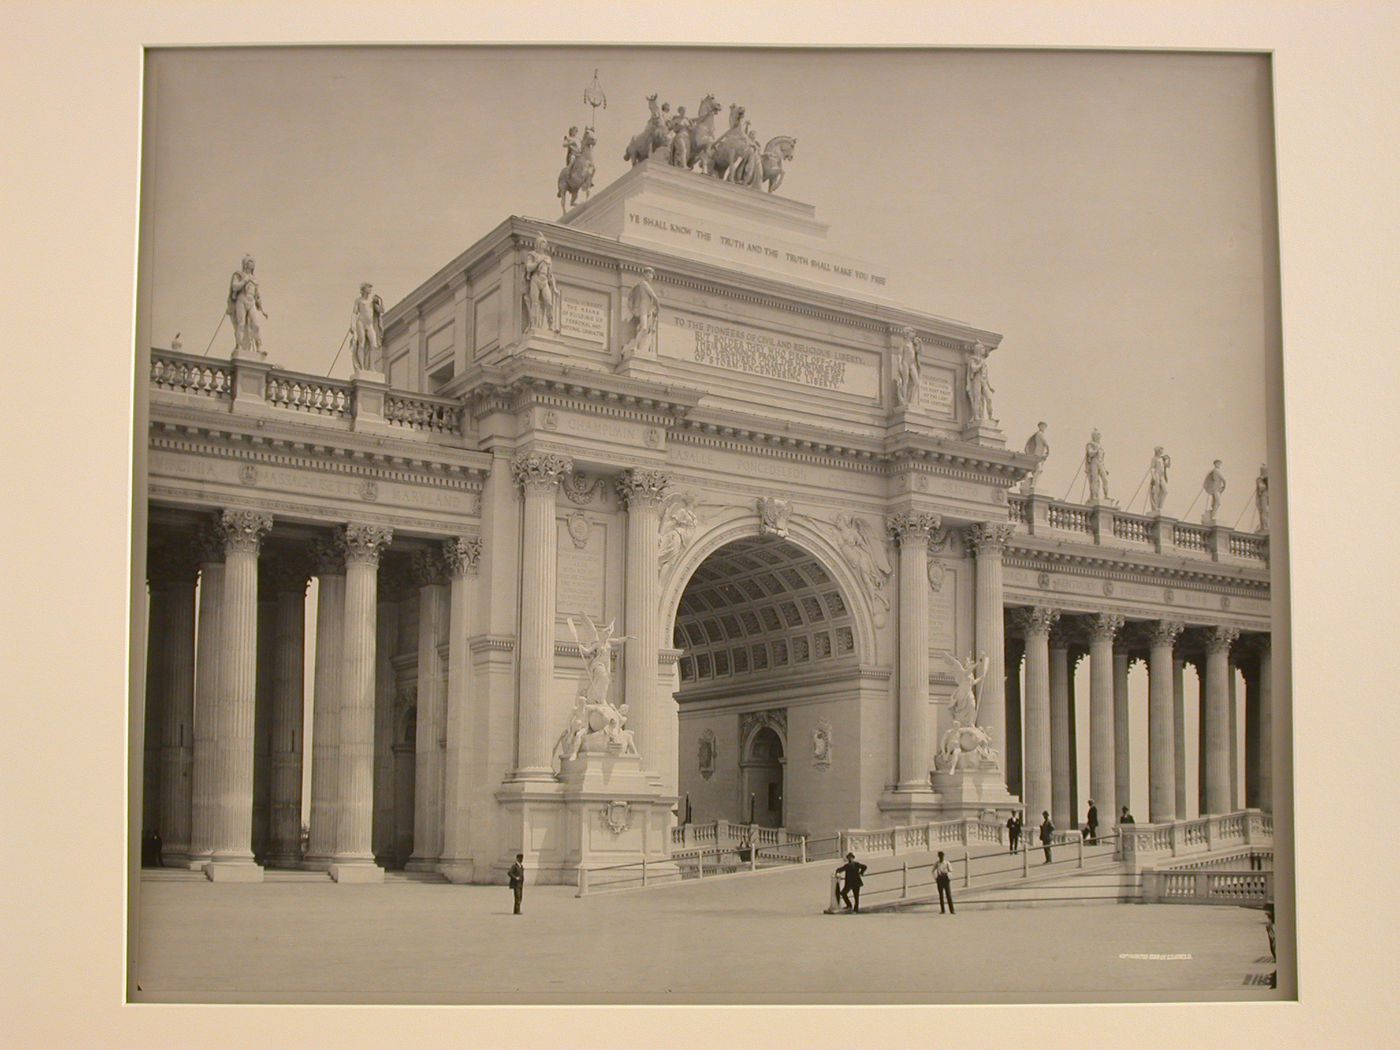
698, 137
678, 156
645, 306
654, 136
1261, 497
244, 305
1037, 445
577, 173
366, 329
730, 148
906, 369
175, 343
541, 290
1214, 486
778, 149
1096, 468
1157, 486
979, 385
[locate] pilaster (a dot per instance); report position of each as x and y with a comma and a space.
641, 492
461, 556
177, 569
430, 575
988, 540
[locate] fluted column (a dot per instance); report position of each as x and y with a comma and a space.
989, 540
208, 661
1217, 708
430, 574
1122, 753
1179, 733
328, 554
1161, 722
1102, 786
1234, 706
232, 857
262, 708
1015, 724
386, 626
641, 492
1038, 765
911, 530
177, 702
354, 773
1266, 724
155, 689
461, 556
537, 474
289, 579
1061, 766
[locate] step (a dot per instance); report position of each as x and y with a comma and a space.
415, 876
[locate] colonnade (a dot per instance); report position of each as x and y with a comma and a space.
1055, 641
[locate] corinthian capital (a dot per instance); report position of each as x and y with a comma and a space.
913, 526
461, 555
1103, 626
364, 543
1164, 632
988, 537
540, 470
244, 530
1035, 621
642, 488
1219, 639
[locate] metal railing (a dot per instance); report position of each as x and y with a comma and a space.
704, 862
905, 883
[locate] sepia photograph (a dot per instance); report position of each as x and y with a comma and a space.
592, 494
644, 526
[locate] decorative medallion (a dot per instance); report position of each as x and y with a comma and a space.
579, 529
921, 482
580, 487
1168, 595
936, 572
1043, 581
616, 816
1108, 588
821, 744
773, 516
248, 474
707, 752
652, 437
369, 490
1224, 601
551, 420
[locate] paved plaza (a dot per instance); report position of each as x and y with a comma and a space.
760, 938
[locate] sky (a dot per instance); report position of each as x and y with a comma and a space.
1110, 214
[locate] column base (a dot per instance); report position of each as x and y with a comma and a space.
178, 858
458, 872
316, 862
532, 775
356, 871
195, 861
233, 871
430, 864
912, 805
284, 860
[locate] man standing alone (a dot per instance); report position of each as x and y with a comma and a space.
1092, 824
851, 873
1047, 832
943, 875
517, 880
1013, 832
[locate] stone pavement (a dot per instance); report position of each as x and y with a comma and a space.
749, 938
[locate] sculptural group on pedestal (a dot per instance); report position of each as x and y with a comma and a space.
596, 725
966, 738
691, 142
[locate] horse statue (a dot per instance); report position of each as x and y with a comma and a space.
577, 174
692, 145
651, 138
731, 148
778, 149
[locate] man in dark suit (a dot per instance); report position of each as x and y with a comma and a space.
943, 876
1013, 832
517, 880
1092, 823
851, 873
1126, 818
1047, 833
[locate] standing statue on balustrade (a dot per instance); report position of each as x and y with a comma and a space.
366, 329
1157, 485
244, 305
1214, 486
1096, 468
1261, 497
979, 385
1037, 445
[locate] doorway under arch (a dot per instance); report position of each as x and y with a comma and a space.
768, 662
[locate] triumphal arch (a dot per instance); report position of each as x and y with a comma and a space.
662, 511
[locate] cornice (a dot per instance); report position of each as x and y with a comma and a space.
1117, 565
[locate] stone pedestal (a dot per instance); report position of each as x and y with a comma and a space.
985, 432
970, 792
603, 810
371, 392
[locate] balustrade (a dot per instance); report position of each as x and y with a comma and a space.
417, 412
1138, 530
1191, 537
190, 375
1071, 519
319, 397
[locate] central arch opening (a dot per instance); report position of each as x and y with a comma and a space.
769, 689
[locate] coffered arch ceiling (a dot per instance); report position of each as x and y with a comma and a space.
760, 605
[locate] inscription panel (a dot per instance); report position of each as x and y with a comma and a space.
487, 319
584, 315
772, 355
943, 612
936, 390
582, 571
